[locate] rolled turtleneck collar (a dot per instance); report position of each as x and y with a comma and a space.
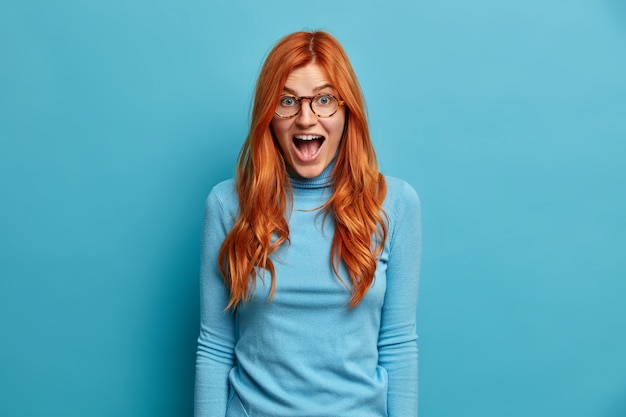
324, 180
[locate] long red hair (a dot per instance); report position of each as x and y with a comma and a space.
265, 193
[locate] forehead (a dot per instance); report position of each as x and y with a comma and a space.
307, 79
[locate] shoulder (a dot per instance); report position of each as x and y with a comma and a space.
223, 196
403, 213
401, 196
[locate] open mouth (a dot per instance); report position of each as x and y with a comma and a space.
308, 146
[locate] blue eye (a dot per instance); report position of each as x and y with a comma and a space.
287, 101
324, 100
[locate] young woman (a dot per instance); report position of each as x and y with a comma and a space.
310, 258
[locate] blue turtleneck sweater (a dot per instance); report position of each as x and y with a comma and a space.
305, 354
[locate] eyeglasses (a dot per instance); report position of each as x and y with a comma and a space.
322, 105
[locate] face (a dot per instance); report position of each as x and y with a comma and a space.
309, 143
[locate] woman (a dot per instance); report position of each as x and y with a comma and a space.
310, 257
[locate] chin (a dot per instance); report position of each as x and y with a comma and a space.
308, 171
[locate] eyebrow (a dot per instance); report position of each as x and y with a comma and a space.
316, 89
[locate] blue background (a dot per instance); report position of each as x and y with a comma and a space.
508, 117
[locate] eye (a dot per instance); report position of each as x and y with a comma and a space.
288, 101
324, 100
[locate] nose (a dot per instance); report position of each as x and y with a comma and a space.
306, 117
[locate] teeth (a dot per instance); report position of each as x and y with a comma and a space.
307, 137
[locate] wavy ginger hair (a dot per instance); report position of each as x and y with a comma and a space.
265, 193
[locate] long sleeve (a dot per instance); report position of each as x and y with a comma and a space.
215, 354
397, 343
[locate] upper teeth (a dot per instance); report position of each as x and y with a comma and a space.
306, 137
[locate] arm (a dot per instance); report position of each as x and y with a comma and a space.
215, 355
397, 343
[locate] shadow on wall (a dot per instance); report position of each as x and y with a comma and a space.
618, 407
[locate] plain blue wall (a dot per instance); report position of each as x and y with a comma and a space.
508, 117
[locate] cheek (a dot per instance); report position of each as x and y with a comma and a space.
280, 128
341, 121
337, 127
280, 132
